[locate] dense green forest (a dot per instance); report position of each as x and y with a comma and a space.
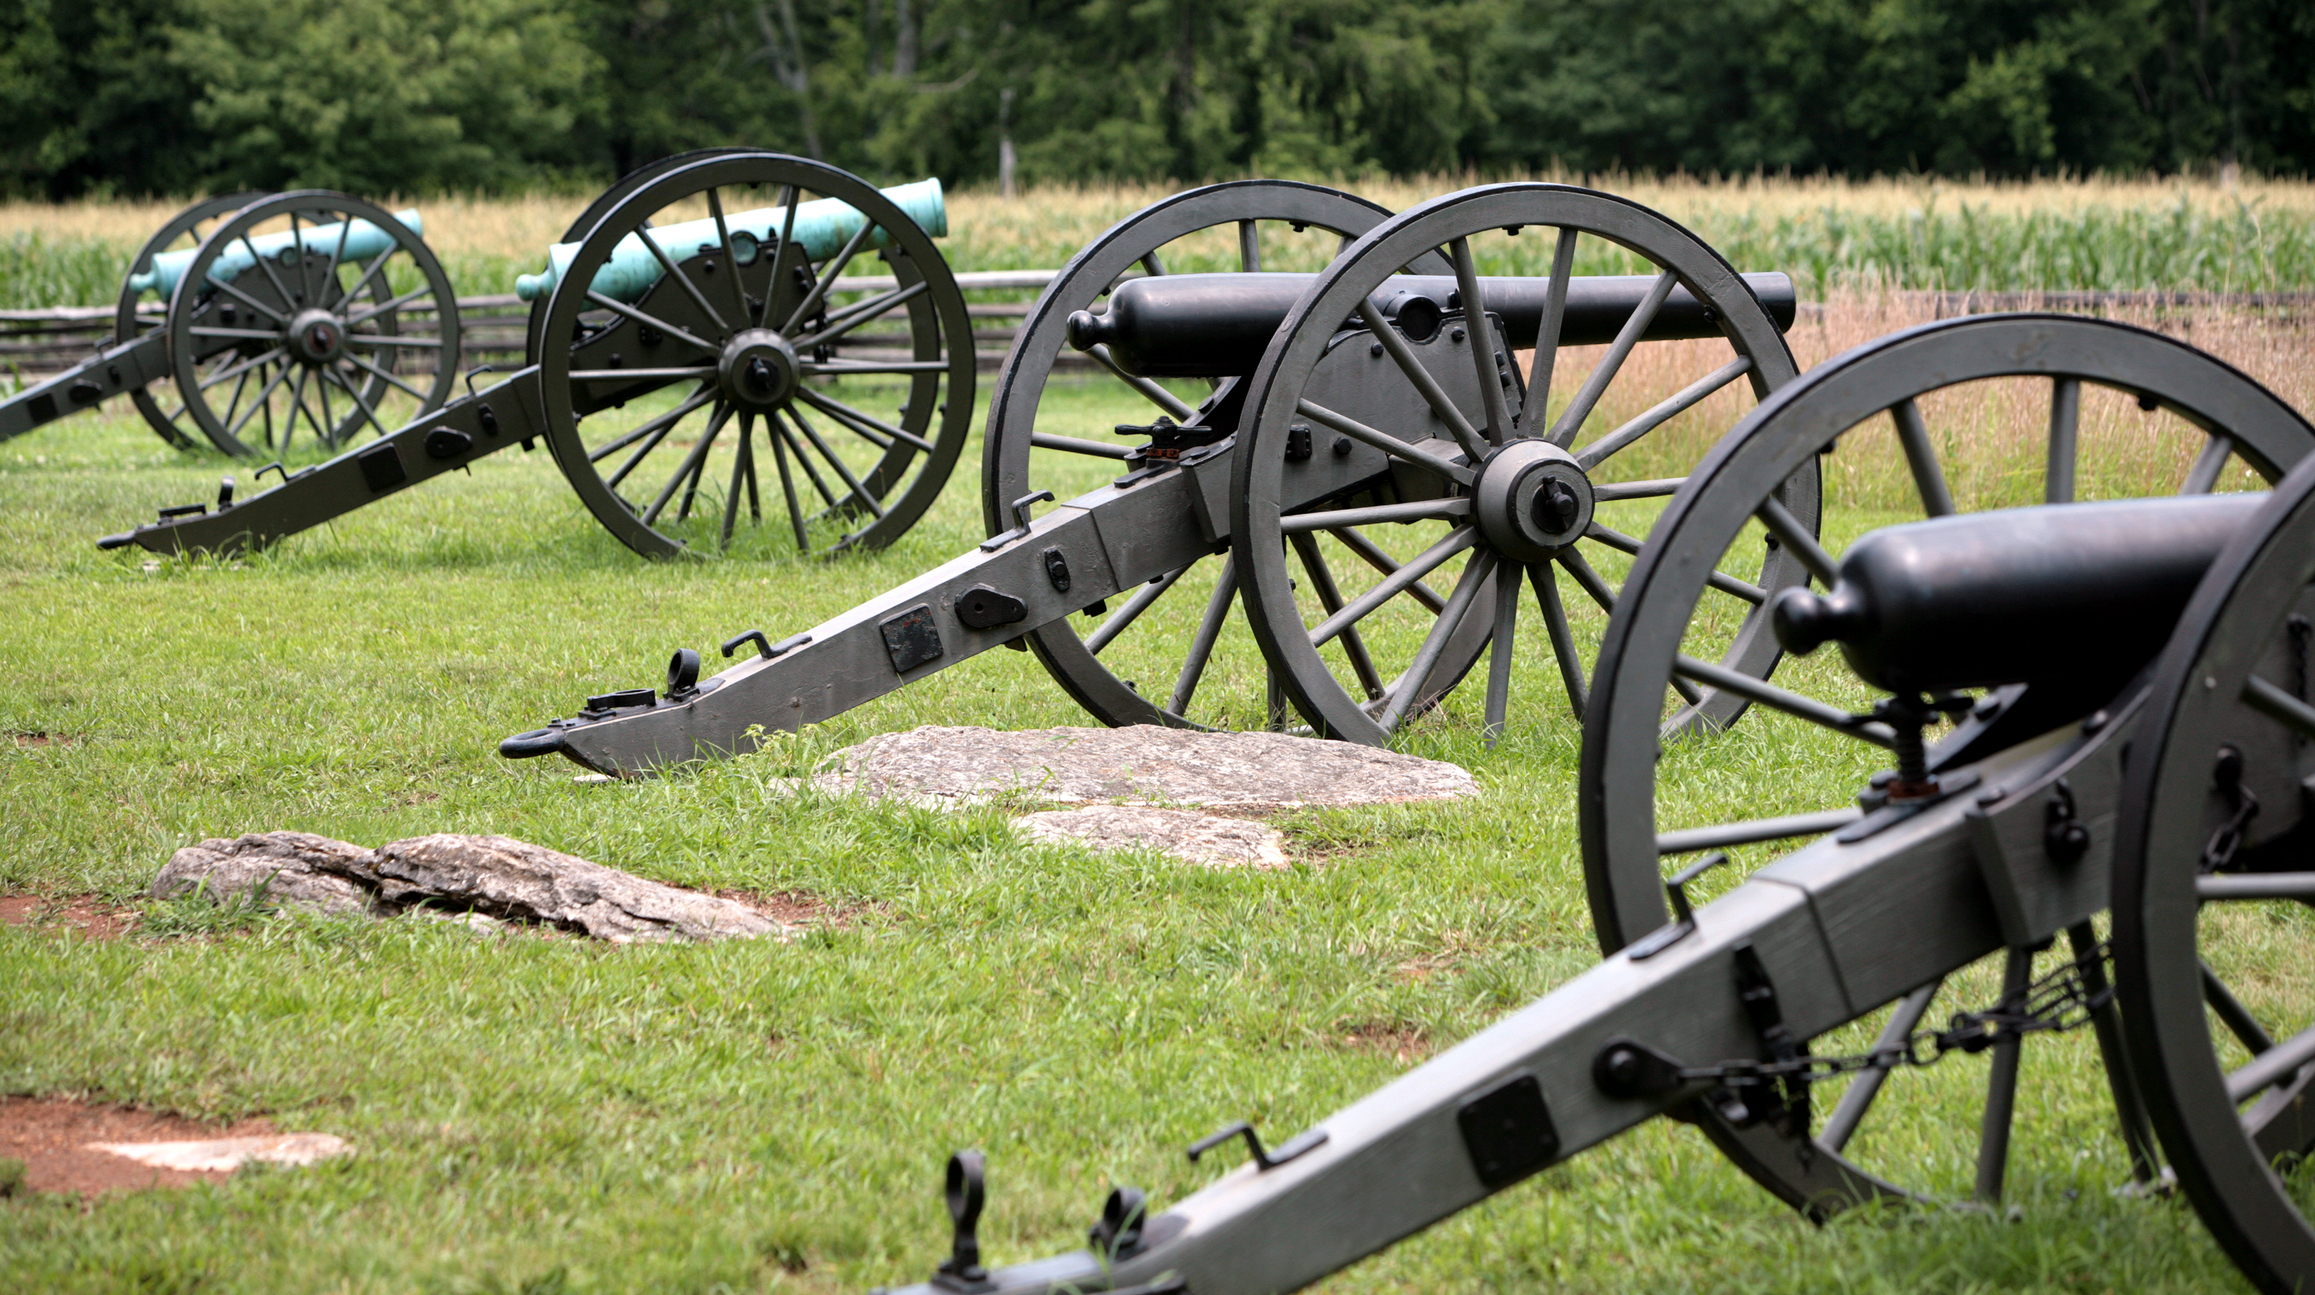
119, 97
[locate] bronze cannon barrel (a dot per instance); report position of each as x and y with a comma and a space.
2083, 594
1216, 325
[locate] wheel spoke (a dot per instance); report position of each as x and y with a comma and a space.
1116, 622
650, 239
650, 442
2230, 1010
2278, 704
1420, 378
1249, 247
240, 385
689, 466
359, 362
731, 265
2106, 1023
839, 368
642, 375
356, 397
365, 316
394, 340
739, 468
369, 273
1691, 840
859, 492
296, 407
772, 288
1610, 491
2204, 475
254, 362
1857, 1099
2001, 1085
1572, 558
2238, 887
611, 303
1157, 395
1791, 703
1789, 532
337, 254
1371, 554
1151, 264
1547, 334
1592, 455
1921, 457
778, 442
1719, 579
1329, 593
264, 402
245, 299
247, 334
1420, 510
2065, 418
1572, 418
860, 312
264, 266
1499, 651
304, 272
1209, 631
2273, 1066
827, 277
1409, 688
1483, 352
860, 421
705, 393
1544, 579
804, 461
1385, 442
1429, 560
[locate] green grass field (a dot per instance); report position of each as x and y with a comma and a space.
546, 1115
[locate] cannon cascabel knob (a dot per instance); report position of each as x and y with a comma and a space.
1805, 621
1088, 330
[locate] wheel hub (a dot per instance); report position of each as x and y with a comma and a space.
316, 337
759, 369
1531, 500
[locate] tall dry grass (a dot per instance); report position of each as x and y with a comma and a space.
1992, 435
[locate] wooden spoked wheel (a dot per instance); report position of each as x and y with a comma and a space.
308, 319
185, 231
1889, 422
669, 374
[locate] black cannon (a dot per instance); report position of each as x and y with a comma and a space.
666, 349
1352, 446
282, 312
2175, 800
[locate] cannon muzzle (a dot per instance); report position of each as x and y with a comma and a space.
822, 229
362, 241
2079, 594
1216, 325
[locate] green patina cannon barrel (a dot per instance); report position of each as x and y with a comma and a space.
347, 240
822, 228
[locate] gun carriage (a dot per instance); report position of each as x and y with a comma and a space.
697, 303
2126, 686
307, 309
1391, 447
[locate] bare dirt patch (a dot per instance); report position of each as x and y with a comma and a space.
51, 1135
1401, 1043
795, 907
87, 914
43, 739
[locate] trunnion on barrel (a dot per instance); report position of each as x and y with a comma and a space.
1216, 325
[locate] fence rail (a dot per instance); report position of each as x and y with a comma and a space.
492, 328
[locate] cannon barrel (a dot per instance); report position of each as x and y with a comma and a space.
363, 240
2078, 594
1216, 325
822, 228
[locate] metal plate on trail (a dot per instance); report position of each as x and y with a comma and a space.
1508, 1131
912, 639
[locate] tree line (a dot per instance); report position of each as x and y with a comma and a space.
131, 97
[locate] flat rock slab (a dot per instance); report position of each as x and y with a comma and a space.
224, 1155
495, 876
1139, 765
1207, 839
